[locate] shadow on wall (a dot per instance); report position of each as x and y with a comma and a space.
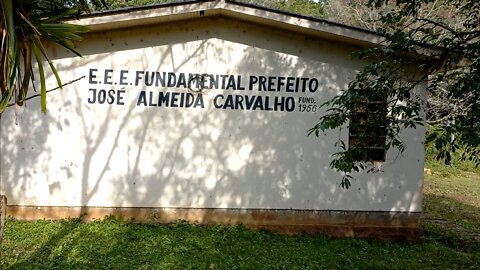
131, 155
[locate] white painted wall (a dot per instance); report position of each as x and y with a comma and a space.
82, 154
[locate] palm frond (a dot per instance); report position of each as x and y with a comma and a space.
24, 26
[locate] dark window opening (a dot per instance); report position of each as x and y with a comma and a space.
367, 130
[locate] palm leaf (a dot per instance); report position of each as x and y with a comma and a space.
24, 24
8, 94
27, 56
52, 67
54, 16
41, 72
9, 53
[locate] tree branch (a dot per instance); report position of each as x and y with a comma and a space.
48, 91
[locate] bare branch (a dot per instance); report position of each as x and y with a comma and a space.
48, 91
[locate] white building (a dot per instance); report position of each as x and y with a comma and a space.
128, 137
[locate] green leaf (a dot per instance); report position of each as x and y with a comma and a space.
27, 56
43, 87
55, 16
54, 70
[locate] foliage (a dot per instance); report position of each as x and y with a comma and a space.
457, 166
304, 7
116, 4
24, 25
355, 13
445, 53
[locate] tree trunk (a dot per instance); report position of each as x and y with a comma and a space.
3, 213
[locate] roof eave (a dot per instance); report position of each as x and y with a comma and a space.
195, 9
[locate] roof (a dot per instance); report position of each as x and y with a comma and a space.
235, 9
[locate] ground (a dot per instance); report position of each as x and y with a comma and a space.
451, 226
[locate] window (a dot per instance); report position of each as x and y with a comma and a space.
367, 130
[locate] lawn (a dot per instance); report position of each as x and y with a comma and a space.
451, 241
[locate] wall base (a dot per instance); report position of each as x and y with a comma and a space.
396, 226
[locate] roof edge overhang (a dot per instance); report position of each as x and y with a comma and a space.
187, 10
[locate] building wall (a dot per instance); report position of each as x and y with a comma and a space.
132, 153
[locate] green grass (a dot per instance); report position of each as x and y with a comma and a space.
115, 244
451, 241
452, 210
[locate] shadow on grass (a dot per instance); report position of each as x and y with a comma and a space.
47, 253
451, 222
451, 233
116, 244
